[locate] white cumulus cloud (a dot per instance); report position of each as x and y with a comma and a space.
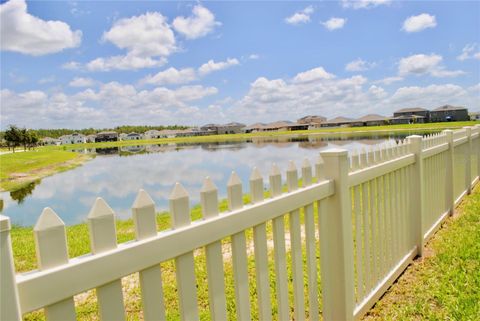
199, 24
314, 74
470, 51
364, 4
299, 17
128, 62
422, 64
171, 76
147, 38
359, 65
212, 66
27, 34
419, 23
334, 23
81, 82
112, 104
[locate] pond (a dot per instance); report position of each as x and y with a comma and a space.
117, 173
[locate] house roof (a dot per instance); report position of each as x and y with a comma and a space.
372, 117
256, 126
312, 119
282, 123
410, 110
338, 120
449, 107
152, 131
235, 124
107, 133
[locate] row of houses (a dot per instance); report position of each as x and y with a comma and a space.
402, 116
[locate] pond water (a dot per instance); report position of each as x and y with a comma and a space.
116, 174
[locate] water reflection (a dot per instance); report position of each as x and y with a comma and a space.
20, 194
117, 173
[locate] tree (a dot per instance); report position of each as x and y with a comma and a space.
28, 138
13, 137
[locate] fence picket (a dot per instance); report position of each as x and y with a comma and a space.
213, 251
51, 249
261, 251
103, 237
279, 250
296, 248
239, 252
309, 223
143, 213
184, 264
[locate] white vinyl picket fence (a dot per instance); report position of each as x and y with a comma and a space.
371, 213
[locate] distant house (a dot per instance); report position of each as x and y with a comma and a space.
371, 120
312, 121
106, 137
257, 127
46, 141
407, 119
74, 138
416, 111
474, 116
133, 136
338, 122
284, 125
210, 128
152, 134
230, 128
449, 113
91, 138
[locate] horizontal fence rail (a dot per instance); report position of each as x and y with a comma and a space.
330, 247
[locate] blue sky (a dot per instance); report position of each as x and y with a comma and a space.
105, 63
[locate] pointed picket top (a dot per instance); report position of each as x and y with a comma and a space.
143, 200
48, 219
291, 166
178, 192
306, 163
234, 180
274, 170
100, 208
255, 174
208, 185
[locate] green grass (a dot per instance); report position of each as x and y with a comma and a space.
325, 131
34, 165
445, 285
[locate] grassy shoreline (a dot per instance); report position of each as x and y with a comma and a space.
21, 169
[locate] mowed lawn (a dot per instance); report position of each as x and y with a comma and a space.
34, 164
445, 284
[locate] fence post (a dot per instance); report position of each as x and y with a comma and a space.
416, 189
52, 251
468, 161
9, 302
449, 197
336, 242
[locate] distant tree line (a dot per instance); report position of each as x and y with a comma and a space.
15, 137
56, 133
